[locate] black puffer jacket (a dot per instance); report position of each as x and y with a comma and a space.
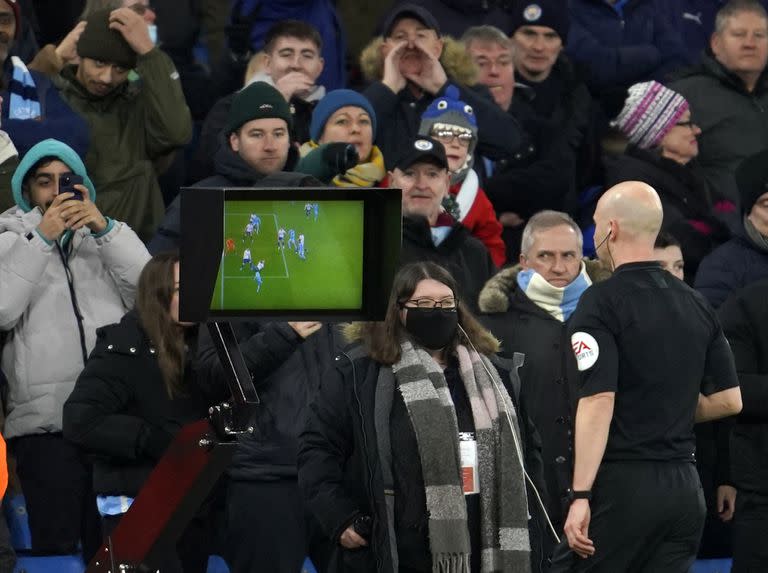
121, 412
270, 452
231, 171
339, 469
465, 257
548, 377
684, 196
744, 317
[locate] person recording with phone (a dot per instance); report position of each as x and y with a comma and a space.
415, 448
65, 270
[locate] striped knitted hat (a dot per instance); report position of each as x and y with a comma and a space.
650, 111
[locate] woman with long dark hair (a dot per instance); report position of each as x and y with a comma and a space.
138, 388
413, 455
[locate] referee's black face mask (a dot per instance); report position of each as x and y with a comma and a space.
432, 328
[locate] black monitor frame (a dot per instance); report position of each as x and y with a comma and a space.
202, 244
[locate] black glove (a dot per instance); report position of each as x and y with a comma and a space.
239, 29
340, 156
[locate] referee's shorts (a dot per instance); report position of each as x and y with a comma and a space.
647, 517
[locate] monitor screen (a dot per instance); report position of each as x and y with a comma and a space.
288, 253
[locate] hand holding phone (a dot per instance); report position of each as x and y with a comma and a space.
67, 184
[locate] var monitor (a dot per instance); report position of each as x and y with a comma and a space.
291, 254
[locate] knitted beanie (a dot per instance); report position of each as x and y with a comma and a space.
331, 103
546, 13
99, 42
650, 111
449, 113
752, 179
14, 4
258, 100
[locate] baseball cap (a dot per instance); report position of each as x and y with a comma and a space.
410, 11
422, 149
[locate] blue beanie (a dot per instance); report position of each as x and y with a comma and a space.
48, 148
332, 102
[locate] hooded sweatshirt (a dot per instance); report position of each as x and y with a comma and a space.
42, 282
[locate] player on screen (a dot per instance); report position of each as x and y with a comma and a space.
230, 246
302, 252
247, 260
308, 209
255, 220
292, 239
260, 265
281, 238
248, 234
317, 210
257, 278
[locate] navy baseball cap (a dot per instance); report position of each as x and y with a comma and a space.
422, 150
410, 11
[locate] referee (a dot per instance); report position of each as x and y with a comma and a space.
653, 360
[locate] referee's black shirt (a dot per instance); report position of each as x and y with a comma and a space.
656, 343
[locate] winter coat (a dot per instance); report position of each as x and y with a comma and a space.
548, 376
685, 199
44, 352
120, 410
546, 172
339, 465
398, 115
465, 257
478, 216
733, 122
623, 44
285, 391
231, 171
456, 16
744, 317
131, 127
731, 266
57, 121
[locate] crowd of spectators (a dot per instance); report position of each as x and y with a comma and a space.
503, 122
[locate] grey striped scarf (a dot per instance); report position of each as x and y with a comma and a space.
503, 504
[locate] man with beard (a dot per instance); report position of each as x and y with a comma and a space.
31, 107
411, 66
133, 123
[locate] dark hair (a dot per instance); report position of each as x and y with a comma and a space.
32, 171
381, 340
153, 302
664, 240
292, 29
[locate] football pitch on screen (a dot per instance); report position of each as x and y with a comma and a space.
327, 276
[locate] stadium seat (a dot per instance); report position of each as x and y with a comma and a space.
15, 510
308, 567
217, 565
712, 566
54, 564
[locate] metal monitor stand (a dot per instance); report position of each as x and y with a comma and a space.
185, 475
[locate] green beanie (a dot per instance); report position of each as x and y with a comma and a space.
99, 42
258, 100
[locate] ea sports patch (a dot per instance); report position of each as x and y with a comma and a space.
532, 13
423, 145
585, 349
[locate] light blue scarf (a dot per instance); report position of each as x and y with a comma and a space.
560, 302
24, 102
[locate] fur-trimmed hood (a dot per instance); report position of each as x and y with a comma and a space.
455, 59
494, 298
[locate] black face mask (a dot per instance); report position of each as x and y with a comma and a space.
432, 328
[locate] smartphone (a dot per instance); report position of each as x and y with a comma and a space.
67, 184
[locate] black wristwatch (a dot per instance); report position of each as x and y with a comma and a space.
573, 495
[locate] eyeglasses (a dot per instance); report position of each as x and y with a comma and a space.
446, 137
446, 303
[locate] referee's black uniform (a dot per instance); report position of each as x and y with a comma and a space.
656, 343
